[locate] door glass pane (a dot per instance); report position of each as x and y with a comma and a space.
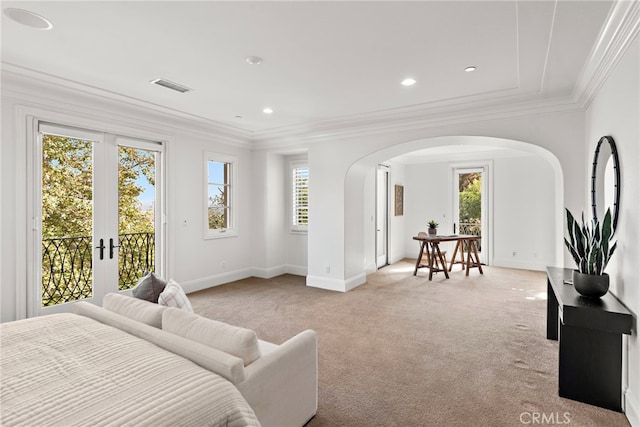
470, 204
218, 194
136, 214
67, 219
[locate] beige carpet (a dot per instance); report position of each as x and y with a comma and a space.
403, 351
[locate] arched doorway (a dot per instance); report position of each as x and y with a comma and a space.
359, 211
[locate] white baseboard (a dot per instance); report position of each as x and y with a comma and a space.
279, 270
355, 281
215, 280
262, 273
298, 270
370, 268
338, 285
268, 273
632, 408
326, 283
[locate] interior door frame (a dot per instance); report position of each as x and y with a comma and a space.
27, 121
382, 261
486, 167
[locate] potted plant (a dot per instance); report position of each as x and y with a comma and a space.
433, 227
591, 248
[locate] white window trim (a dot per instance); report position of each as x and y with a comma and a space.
232, 231
294, 228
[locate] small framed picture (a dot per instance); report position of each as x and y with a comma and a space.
399, 200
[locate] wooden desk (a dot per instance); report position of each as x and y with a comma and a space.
432, 244
590, 334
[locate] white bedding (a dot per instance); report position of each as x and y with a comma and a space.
69, 370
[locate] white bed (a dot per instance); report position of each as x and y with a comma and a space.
70, 370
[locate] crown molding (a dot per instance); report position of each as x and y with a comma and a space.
619, 32
425, 118
39, 88
419, 159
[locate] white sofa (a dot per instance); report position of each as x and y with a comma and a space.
280, 385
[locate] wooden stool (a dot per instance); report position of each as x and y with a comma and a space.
458, 249
472, 252
426, 256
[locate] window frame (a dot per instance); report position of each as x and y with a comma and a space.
293, 165
232, 229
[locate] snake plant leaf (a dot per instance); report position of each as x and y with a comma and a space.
597, 267
572, 251
579, 238
570, 224
595, 226
608, 258
607, 229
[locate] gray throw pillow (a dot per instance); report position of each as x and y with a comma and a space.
149, 287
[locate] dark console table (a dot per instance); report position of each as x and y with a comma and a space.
590, 333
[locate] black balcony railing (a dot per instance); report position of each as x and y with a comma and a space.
474, 229
67, 273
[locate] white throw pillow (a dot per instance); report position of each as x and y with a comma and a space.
174, 296
134, 308
239, 342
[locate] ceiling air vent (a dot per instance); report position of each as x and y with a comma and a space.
171, 85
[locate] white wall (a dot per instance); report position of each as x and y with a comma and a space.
615, 111
427, 196
397, 224
268, 211
197, 262
524, 213
523, 192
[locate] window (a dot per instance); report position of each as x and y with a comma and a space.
300, 196
220, 195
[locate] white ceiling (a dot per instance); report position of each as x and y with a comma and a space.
323, 61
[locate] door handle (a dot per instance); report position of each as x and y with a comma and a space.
111, 247
101, 247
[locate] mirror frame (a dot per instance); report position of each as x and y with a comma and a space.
616, 169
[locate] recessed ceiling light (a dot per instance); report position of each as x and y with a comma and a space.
470, 69
408, 82
254, 60
267, 110
29, 19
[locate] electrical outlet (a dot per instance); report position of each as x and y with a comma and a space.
514, 253
223, 264
327, 269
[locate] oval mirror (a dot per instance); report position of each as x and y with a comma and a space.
605, 180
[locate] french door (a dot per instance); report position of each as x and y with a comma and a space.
97, 216
470, 207
382, 216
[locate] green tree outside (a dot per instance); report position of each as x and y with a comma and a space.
470, 199
67, 216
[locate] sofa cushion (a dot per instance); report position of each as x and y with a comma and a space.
149, 287
134, 308
174, 296
239, 342
230, 367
